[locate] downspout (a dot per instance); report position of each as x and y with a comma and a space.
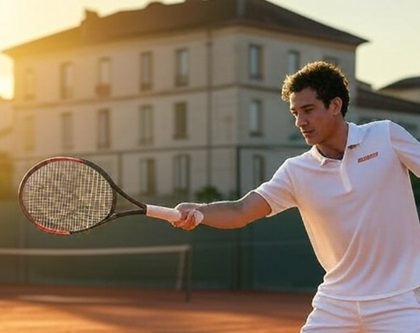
238, 253
209, 153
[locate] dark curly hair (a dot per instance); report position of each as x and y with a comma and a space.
326, 79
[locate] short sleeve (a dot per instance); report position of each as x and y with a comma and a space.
278, 191
406, 146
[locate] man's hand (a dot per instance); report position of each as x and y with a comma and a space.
191, 217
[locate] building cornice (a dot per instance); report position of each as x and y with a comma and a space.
158, 18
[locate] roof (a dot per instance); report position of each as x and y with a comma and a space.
408, 83
159, 18
370, 99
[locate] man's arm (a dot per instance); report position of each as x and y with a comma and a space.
224, 214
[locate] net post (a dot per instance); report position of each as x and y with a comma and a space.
180, 280
188, 274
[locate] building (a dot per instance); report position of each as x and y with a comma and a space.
6, 121
183, 98
373, 105
171, 98
7, 189
408, 88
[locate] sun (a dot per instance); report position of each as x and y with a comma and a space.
6, 87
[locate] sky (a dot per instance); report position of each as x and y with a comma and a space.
391, 27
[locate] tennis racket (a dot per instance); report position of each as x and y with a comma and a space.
67, 195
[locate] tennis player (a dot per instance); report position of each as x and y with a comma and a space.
353, 191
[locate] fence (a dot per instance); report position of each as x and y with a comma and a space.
272, 254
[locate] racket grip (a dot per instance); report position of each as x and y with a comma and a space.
169, 214
163, 213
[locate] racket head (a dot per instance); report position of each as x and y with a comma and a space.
66, 195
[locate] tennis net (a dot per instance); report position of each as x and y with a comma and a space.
24, 264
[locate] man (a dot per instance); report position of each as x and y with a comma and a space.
353, 191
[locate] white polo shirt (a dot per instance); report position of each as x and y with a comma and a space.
359, 212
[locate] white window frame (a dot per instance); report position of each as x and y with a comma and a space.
29, 84
182, 67
147, 176
29, 133
180, 120
255, 61
104, 129
146, 71
104, 71
67, 130
256, 117
66, 80
293, 61
146, 123
258, 170
182, 173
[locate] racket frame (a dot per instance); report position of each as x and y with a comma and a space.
112, 215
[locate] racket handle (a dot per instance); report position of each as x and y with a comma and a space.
163, 213
169, 214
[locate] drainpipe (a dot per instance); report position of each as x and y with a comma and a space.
209, 157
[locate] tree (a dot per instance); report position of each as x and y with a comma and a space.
208, 194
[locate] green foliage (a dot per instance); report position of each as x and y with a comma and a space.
208, 194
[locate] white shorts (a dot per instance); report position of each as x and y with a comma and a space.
397, 314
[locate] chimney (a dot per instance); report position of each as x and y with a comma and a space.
90, 15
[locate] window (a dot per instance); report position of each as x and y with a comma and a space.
103, 135
255, 58
295, 136
29, 84
255, 118
146, 71
104, 71
67, 130
180, 123
66, 80
258, 170
293, 61
147, 176
146, 125
103, 87
182, 67
181, 173
29, 133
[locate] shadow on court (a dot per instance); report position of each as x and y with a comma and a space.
46, 309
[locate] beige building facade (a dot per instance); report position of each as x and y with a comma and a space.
172, 105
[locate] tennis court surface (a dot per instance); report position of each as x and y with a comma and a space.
47, 309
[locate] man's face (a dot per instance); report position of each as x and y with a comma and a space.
316, 122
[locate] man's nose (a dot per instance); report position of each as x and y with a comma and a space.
300, 120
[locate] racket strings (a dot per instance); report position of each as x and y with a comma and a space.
68, 196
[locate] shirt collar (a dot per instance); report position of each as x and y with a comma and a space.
354, 138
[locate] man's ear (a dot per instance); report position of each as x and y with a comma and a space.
336, 104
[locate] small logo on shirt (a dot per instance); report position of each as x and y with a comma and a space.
367, 157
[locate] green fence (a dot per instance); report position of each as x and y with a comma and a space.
271, 254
